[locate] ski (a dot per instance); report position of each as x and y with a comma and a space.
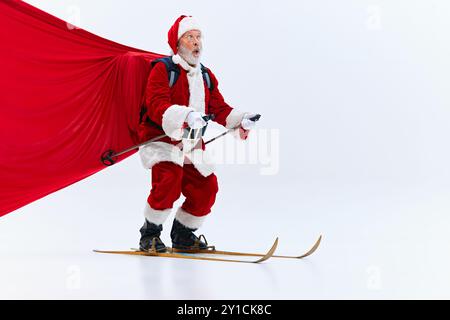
231, 253
189, 256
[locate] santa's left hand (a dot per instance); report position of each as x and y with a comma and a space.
246, 123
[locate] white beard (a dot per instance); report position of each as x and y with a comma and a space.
188, 56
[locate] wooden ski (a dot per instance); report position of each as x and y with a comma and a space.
169, 254
232, 253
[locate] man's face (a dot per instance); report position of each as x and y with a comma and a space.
190, 46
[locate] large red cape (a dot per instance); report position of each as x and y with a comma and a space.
66, 96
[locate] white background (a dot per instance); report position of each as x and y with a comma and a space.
355, 93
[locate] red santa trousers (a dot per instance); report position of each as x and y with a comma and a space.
169, 181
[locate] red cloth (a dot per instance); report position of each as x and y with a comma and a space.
170, 180
67, 95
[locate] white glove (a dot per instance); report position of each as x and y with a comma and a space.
246, 123
195, 120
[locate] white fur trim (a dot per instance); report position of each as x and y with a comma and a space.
196, 84
197, 92
177, 59
189, 220
187, 24
156, 216
234, 119
201, 160
173, 120
156, 152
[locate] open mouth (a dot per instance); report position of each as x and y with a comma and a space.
196, 52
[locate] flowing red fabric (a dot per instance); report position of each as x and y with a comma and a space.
66, 96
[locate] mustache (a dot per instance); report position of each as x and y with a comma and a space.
184, 49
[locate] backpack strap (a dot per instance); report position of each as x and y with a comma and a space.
207, 78
173, 71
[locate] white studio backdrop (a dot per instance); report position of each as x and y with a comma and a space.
352, 142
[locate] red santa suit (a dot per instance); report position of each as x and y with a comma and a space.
173, 172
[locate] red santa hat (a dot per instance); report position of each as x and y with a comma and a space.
182, 25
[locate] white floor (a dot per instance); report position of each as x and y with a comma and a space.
357, 95
378, 243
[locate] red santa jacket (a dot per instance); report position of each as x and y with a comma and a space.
168, 107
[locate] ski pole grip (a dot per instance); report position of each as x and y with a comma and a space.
209, 117
255, 118
107, 158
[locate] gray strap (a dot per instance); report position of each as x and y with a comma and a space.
172, 78
208, 80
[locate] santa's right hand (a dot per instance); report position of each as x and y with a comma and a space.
195, 120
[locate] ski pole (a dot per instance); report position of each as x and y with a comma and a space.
108, 156
255, 118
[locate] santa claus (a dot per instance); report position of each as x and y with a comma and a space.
180, 92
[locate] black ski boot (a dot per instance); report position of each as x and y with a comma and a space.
150, 240
184, 239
